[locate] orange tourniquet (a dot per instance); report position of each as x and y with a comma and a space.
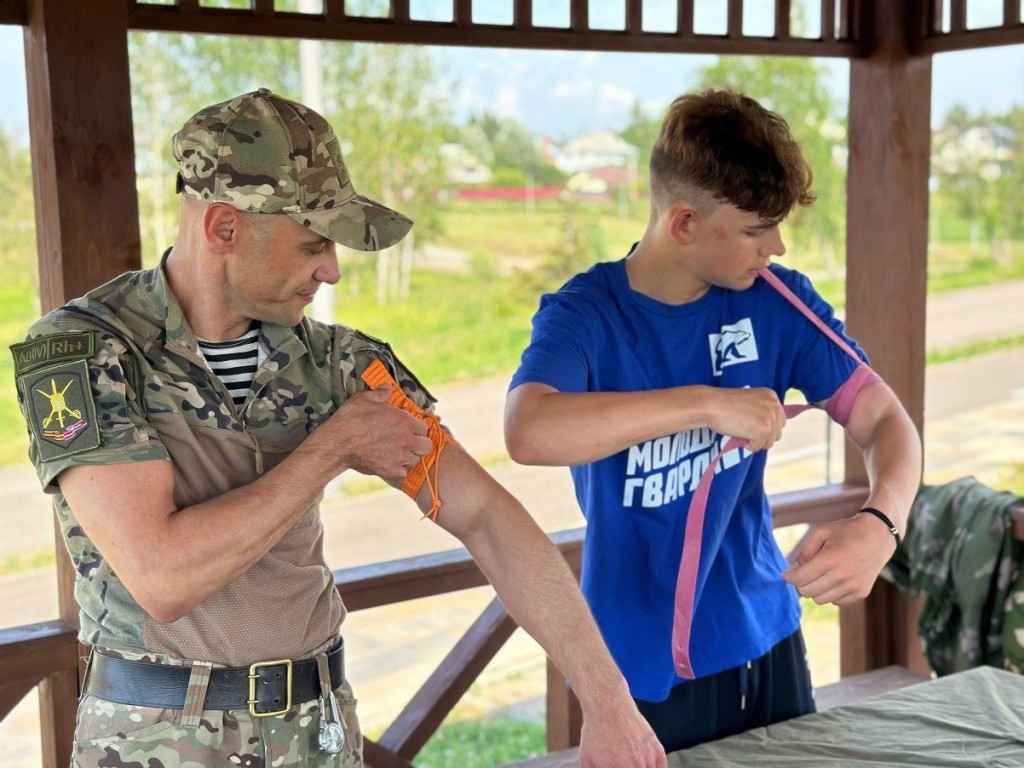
376, 376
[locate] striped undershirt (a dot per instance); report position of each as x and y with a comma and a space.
234, 362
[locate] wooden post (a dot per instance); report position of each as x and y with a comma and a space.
83, 158
564, 716
87, 223
886, 267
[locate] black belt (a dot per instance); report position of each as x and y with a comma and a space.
266, 688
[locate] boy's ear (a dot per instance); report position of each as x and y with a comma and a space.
682, 223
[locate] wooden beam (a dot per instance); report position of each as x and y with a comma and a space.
58, 707
376, 756
887, 241
83, 159
734, 19
394, 581
783, 27
989, 37
369, 586
37, 650
635, 17
14, 12
817, 505
563, 712
425, 712
523, 14
46, 654
13, 691
684, 18
577, 37
579, 16
87, 223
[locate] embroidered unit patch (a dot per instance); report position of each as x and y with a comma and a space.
60, 409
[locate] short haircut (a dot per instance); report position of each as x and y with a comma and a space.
723, 147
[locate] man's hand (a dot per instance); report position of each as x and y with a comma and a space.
841, 560
755, 414
624, 741
373, 437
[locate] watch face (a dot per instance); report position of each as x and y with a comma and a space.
332, 738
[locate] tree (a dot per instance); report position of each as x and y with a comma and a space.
387, 104
163, 70
581, 246
17, 219
516, 154
977, 170
796, 89
393, 127
641, 132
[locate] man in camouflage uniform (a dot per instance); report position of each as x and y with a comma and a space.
194, 524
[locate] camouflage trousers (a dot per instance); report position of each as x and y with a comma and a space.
110, 735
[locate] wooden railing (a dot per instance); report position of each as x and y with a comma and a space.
47, 654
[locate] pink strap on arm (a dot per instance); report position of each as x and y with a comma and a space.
839, 407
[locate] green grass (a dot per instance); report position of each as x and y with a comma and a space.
483, 743
1013, 478
19, 562
971, 350
453, 327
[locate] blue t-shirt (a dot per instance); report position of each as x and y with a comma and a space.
596, 334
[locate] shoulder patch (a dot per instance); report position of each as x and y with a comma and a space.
29, 355
60, 409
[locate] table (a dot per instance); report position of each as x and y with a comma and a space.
971, 718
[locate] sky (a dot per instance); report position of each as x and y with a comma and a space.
560, 94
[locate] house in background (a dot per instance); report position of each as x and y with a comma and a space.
597, 163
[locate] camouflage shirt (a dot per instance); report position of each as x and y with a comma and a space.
115, 377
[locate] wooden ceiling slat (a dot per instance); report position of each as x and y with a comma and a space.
635, 17
847, 14
734, 23
839, 34
783, 29
1011, 12
358, 29
957, 16
335, 10
828, 19
523, 14
684, 18
988, 37
579, 16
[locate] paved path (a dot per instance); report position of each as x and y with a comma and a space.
975, 425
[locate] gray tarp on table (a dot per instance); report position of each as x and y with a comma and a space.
972, 718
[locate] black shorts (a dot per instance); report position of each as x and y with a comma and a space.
775, 687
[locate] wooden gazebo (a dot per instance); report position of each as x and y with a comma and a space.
88, 232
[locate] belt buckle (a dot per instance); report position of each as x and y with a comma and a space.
254, 676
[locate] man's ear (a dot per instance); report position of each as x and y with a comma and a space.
683, 222
221, 225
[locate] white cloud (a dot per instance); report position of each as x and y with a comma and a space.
507, 101
615, 96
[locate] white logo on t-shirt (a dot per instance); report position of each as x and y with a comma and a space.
733, 345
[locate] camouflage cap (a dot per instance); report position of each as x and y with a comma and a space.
261, 153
